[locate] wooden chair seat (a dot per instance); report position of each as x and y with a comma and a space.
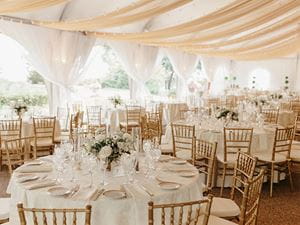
214, 220
224, 207
267, 157
130, 124
42, 143
4, 210
295, 155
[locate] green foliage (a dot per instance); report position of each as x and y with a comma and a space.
116, 77
35, 78
29, 100
153, 86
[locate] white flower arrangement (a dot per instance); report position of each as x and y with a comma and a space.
116, 100
111, 148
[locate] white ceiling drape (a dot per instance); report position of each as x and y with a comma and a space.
59, 56
184, 64
139, 61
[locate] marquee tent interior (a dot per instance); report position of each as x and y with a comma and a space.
236, 41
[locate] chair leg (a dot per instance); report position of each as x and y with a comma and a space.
289, 165
223, 179
272, 180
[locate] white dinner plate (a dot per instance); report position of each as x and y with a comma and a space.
179, 161
187, 173
58, 191
114, 194
169, 185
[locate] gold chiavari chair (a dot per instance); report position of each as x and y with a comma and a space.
133, 118
150, 127
295, 107
270, 115
243, 172
9, 129
297, 129
77, 107
230, 102
279, 159
39, 216
18, 151
43, 143
179, 213
204, 158
250, 204
235, 139
183, 137
213, 102
94, 118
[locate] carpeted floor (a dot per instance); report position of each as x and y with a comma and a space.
282, 209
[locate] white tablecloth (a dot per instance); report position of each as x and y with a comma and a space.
171, 111
128, 211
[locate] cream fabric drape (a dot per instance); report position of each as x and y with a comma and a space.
184, 65
18, 6
139, 62
59, 56
133, 13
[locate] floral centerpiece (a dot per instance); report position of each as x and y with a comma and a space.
111, 148
227, 113
116, 100
20, 108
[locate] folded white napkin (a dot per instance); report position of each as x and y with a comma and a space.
85, 194
39, 184
168, 177
34, 169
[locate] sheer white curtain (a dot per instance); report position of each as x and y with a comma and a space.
184, 65
139, 62
59, 56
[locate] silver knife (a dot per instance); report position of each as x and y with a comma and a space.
146, 190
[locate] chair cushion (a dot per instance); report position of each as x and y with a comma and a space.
42, 142
223, 207
267, 157
130, 124
184, 154
166, 148
231, 158
4, 208
295, 155
213, 220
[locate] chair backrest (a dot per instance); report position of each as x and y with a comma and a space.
297, 128
295, 106
204, 158
187, 213
150, 127
133, 113
270, 115
39, 216
183, 137
283, 141
63, 115
251, 200
17, 152
243, 172
44, 128
10, 129
236, 139
94, 115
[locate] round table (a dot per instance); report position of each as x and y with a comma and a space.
131, 210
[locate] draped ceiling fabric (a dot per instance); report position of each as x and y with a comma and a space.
184, 65
60, 56
139, 62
